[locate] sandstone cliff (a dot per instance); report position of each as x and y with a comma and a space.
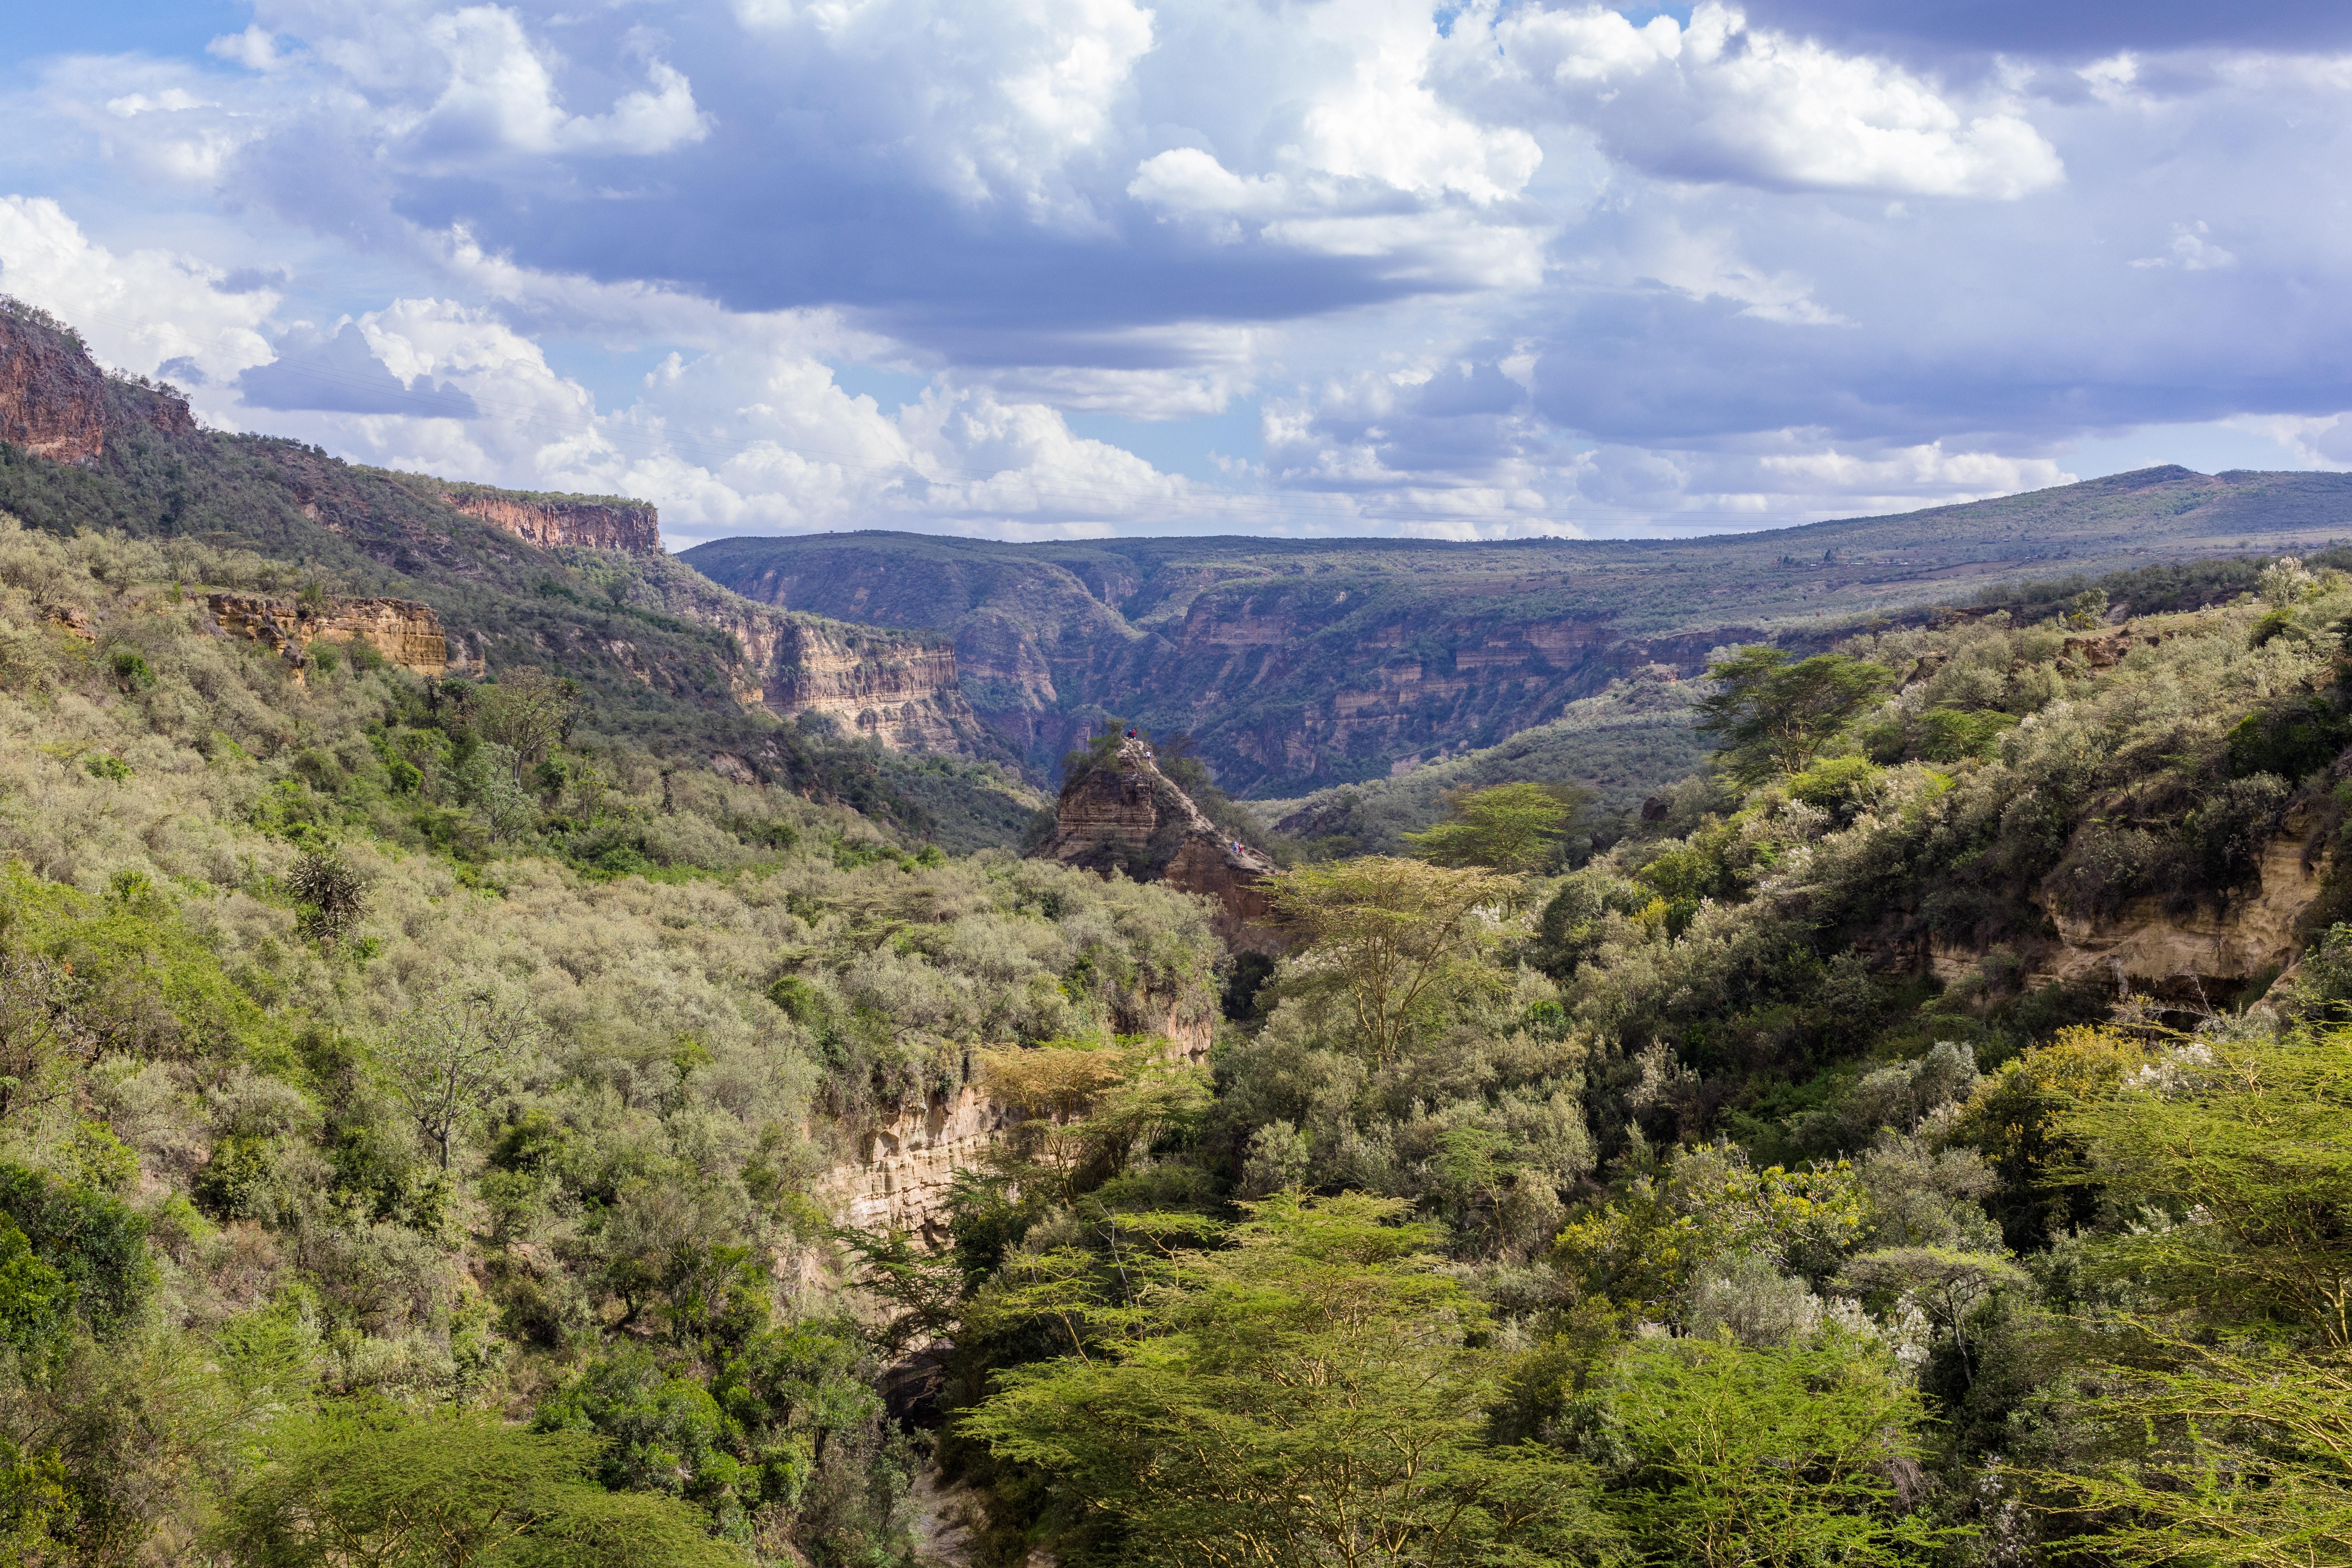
897, 690
2206, 956
406, 633
1131, 817
55, 403
593, 522
906, 1165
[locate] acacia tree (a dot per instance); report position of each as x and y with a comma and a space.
1085, 1108
1513, 827
2232, 1441
445, 1056
1306, 1394
2244, 1140
369, 1486
1766, 1459
1773, 717
527, 710
1397, 938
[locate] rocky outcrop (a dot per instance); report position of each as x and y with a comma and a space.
906, 1165
898, 689
404, 631
592, 523
2207, 955
2211, 952
1129, 817
55, 403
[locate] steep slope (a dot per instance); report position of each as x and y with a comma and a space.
576, 584
1299, 664
1119, 813
1624, 745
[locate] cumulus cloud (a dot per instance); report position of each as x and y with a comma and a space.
498, 96
1506, 268
340, 374
139, 310
1719, 100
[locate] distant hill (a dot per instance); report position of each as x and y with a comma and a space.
576, 584
1298, 664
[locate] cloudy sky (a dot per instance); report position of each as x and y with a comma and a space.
1038, 268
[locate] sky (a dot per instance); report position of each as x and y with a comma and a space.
1055, 268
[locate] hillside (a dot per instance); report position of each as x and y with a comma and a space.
478, 1083
520, 580
1300, 664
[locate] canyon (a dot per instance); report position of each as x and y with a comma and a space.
1129, 817
1298, 665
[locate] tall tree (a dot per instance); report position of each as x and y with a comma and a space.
1397, 937
1766, 1459
1306, 1396
2231, 1427
1772, 717
1513, 827
446, 1055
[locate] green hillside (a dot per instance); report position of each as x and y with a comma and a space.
483, 1121
636, 632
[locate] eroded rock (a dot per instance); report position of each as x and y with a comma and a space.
1132, 817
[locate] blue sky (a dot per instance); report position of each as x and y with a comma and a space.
1067, 268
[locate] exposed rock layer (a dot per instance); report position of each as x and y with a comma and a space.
554, 520
406, 633
1298, 664
2206, 955
1132, 817
55, 403
906, 1165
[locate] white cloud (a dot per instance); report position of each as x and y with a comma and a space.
2191, 250
2318, 441
142, 310
255, 48
992, 102
500, 95
1707, 265
1719, 100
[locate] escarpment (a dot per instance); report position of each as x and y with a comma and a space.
55, 403
590, 522
897, 690
406, 633
1131, 816
2213, 950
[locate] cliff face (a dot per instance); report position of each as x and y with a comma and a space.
1296, 664
1131, 817
55, 403
406, 633
552, 520
897, 690
906, 1165
2206, 956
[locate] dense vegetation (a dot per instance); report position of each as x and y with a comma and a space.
1671, 1209
408, 1114
426, 1113
644, 639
